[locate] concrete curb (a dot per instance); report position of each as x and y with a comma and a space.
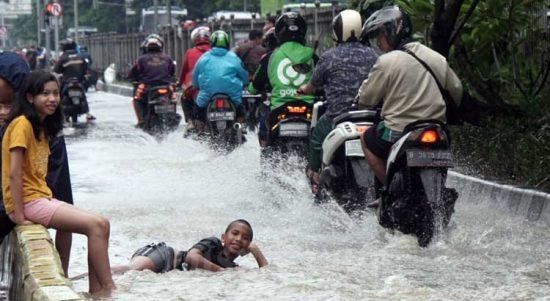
36, 267
531, 204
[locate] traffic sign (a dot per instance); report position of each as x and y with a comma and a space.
54, 9
57, 9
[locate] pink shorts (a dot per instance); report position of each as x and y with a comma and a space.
40, 211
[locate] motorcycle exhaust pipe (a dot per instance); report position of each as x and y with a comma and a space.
237, 127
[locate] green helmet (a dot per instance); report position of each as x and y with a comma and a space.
220, 38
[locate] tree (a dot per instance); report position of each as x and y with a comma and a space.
487, 42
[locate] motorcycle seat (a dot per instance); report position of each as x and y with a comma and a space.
359, 115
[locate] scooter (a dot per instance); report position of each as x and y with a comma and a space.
345, 175
414, 199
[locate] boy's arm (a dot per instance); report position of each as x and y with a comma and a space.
258, 255
16, 184
194, 258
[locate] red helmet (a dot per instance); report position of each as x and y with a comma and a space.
200, 35
189, 24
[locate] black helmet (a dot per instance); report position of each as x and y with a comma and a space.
68, 44
291, 27
392, 22
368, 7
270, 40
346, 26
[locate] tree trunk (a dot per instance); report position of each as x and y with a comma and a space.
445, 17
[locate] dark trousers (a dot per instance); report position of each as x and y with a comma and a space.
318, 135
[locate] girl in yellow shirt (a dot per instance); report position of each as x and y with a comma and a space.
34, 119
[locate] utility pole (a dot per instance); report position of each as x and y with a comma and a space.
155, 18
169, 7
39, 22
76, 21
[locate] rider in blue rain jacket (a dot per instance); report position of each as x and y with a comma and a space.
219, 71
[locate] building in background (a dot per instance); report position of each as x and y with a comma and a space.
9, 11
272, 6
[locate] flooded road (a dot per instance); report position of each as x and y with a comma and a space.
179, 191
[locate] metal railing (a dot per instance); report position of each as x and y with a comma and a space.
123, 49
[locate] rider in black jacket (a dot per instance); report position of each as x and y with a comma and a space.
72, 65
151, 69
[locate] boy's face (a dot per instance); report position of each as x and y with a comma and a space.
236, 239
6, 98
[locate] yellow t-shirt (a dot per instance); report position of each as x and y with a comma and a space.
35, 162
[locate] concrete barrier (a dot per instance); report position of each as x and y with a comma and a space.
33, 267
531, 204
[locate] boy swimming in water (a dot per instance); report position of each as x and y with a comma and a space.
210, 253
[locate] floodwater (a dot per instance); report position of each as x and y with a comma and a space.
180, 191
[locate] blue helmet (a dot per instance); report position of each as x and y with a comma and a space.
13, 69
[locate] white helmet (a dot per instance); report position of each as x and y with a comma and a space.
153, 41
346, 26
200, 35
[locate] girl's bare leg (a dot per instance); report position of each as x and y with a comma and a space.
96, 228
63, 242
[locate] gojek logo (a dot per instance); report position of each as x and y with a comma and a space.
287, 74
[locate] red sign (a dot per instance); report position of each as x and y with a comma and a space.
54, 9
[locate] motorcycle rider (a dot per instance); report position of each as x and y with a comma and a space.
151, 69
288, 67
339, 73
71, 65
200, 37
404, 87
219, 71
251, 51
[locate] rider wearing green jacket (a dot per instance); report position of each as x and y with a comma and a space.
286, 68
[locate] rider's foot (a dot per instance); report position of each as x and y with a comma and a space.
314, 179
374, 204
90, 117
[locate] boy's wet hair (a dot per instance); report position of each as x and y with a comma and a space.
242, 221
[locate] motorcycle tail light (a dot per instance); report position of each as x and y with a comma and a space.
296, 110
428, 136
220, 103
162, 91
361, 129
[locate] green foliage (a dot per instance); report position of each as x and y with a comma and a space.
24, 29
512, 151
510, 49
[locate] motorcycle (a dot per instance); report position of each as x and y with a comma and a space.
221, 121
414, 199
345, 174
288, 127
73, 100
160, 117
252, 107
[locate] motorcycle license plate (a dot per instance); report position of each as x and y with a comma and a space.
429, 158
76, 100
164, 109
221, 116
293, 129
75, 93
354, 149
